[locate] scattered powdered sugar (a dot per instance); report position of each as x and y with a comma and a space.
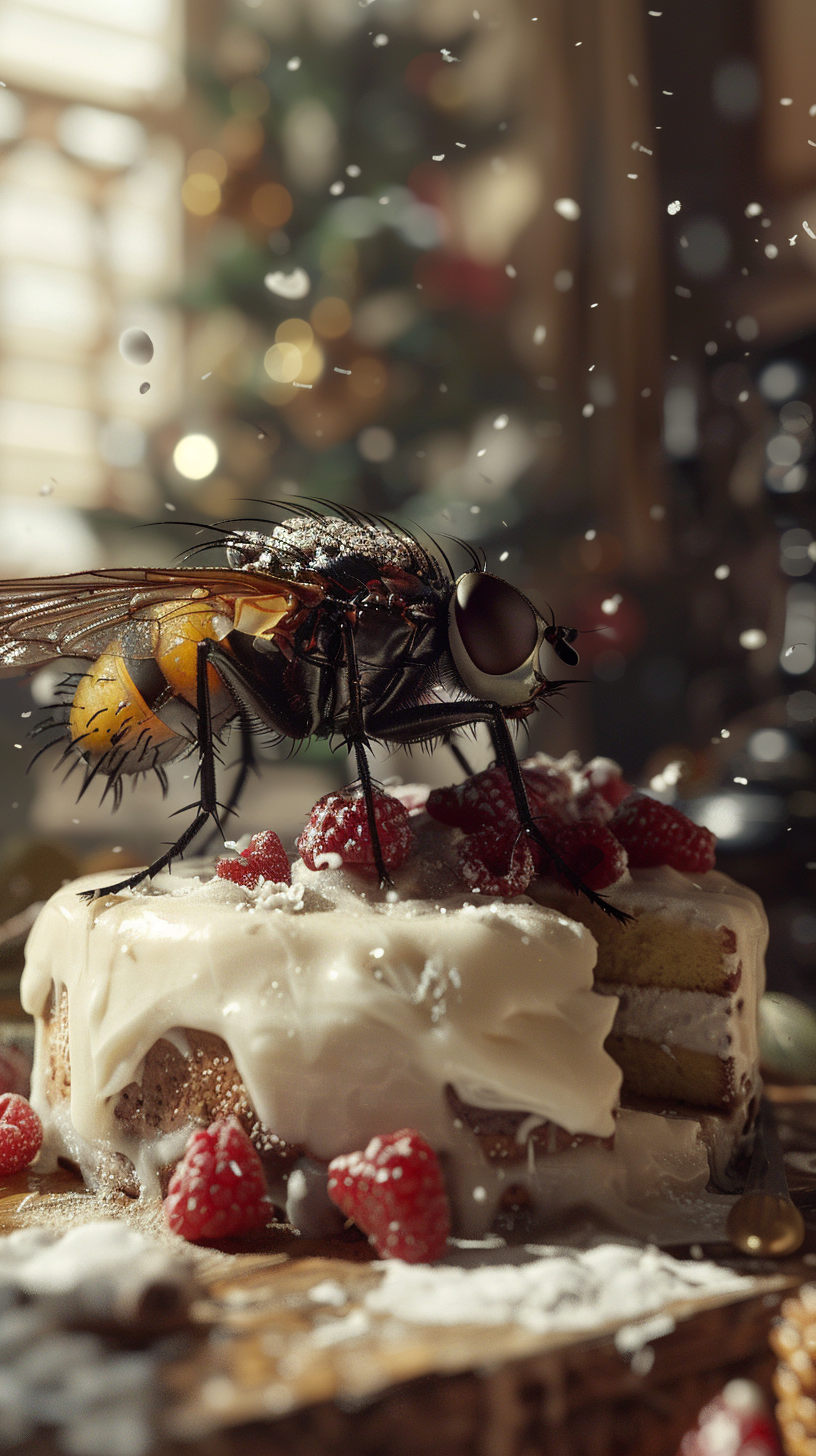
629, 1339
328, 1291
348, 1327
267, 895
99, 1270
564, 1291
99, 1397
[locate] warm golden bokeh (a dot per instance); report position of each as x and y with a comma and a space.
201, 194
206, 160
295, 331
331, 318
241, 139
369, 377
272, 204
283, 362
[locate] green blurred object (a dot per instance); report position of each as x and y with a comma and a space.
787, 1038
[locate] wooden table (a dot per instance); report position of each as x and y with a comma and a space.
253, 1378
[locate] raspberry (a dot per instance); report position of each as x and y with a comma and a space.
548, 787
591, 807
658, 834
590, 850
15, 1069
263, 859
21, 1133
395, 1193
496, 864
338, 824
218, 1187
413, 797
485, 801
603, 776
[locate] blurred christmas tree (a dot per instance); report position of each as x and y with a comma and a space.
352, 346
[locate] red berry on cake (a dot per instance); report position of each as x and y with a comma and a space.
658, 834
218, 1188
591, 851
603, 776
338, 825
496, 863
485, 800
395, 1193
263, 861
21, 1133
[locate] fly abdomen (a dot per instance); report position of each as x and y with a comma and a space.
112, 721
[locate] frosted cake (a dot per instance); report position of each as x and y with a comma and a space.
328, 1011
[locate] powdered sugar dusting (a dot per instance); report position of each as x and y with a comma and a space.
565, 1290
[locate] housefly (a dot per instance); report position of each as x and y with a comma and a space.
337, 626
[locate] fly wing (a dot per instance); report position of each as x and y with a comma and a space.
45, 618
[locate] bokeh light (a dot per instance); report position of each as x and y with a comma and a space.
201, 194
272, 204
195, 456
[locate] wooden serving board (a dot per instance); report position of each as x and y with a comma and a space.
267, 1369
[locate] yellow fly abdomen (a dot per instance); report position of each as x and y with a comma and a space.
179, 627
109, 715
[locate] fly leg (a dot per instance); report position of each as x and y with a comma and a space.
359, 741
364, 775
435, 720
207, 807
248, 765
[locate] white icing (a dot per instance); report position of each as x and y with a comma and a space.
333, 1044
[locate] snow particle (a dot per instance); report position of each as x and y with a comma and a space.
289, 285
136, 346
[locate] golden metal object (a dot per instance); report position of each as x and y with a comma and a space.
764, 1221
765, 1225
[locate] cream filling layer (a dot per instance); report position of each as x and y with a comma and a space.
697, 1020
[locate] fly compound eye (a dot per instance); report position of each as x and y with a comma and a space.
495, 635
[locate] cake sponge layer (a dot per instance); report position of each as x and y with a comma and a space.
678, 1074
688, 932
